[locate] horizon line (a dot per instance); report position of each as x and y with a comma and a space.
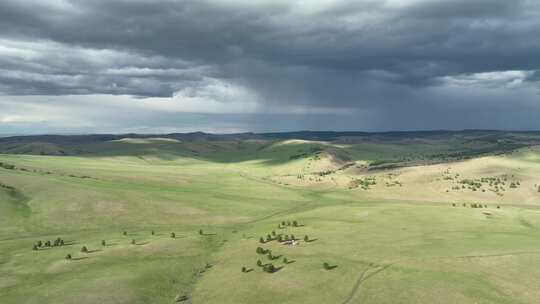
4, 135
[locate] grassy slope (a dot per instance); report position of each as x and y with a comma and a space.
386, 251
424, 253
122, 194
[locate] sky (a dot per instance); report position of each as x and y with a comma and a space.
147, 66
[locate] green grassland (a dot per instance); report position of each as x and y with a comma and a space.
411, 242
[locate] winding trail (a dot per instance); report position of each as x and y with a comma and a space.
356, 286
364, 277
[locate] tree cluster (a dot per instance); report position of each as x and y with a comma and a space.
39, 244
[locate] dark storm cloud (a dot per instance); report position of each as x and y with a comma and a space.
362, 56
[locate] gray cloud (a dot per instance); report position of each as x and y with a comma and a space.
393, 64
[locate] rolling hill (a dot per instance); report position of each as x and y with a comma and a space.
342, 217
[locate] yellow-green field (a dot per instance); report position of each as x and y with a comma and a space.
409, 237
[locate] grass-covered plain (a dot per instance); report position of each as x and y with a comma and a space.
389, 244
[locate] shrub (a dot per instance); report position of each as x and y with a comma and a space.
273, 232
259, 250
173, 235
261, 240
35, 247
84, 249
48, 244
327, 266
244, 269
270, 268
153, 232
283, 223
7, 166
295, 223
200, 232
268, 238
285, 261
39, 243
68, 256
259, 263
103, 243
292, 237
306, 238
124, 233
133, 242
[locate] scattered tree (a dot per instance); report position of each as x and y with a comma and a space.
103, 243
124, 233
306, 238
48, 244
35, 247
244, 269
153, 232
261, 240
173, 235
39, 243
133, 242
84, 249
200, 232
273, 232
268, 238
285, 261
259, 263
68, 256
295, 223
